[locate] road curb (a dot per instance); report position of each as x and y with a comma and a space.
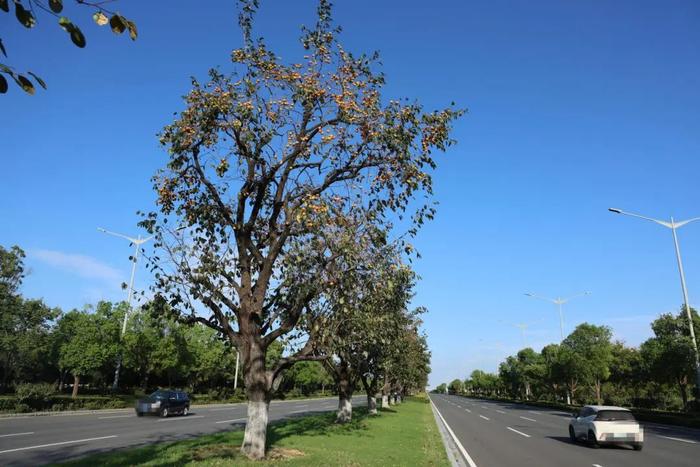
453, 452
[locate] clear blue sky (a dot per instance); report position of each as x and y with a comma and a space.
573, 107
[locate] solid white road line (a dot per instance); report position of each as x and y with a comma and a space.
115, 416
518, 432
500, 411
17, 434
222, 409
180, 418
464, 452
677, 439
57, 444
485, 418
231, 421
525, 418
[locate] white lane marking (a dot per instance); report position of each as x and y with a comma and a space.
484, 407
459, 406
57, 444
304, 405
115, 416
17, 434
464, 452
231, 421
525, 418
222, 409
518, 432
536, 413
597, 465
468, 410
500, 411
179, 419
299, 411
485, 418
677, 439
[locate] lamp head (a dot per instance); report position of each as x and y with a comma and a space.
615, 210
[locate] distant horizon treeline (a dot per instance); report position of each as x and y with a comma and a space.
588, 367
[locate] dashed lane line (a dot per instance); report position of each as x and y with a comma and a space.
678, 439
17, 434
468, 410
530, 419
518, 432
485, 418
231, 421
180, 419
26, 448
500, 411
115, 416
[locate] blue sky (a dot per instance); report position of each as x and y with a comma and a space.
573, 107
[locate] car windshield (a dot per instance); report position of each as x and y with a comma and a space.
612, 415
160, 394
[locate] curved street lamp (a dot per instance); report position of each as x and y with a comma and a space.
559, 302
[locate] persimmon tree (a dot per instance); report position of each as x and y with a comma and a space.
268, 165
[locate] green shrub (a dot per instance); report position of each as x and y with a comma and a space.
37, 396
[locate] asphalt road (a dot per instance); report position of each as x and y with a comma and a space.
503, 434
37, 440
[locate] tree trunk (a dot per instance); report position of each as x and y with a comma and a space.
371, 404
76, 382
683, 386
345, 390
597, 391
258, 392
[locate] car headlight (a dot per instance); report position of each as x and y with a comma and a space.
156, 404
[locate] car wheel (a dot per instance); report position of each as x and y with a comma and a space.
638, 446
591, 439
572, 434
164, 412
186, 411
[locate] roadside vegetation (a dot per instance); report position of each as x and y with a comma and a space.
405, 434
655, 378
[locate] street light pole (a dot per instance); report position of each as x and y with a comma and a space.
559, 302
137, 242
673, 225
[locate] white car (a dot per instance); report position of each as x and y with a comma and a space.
604, 424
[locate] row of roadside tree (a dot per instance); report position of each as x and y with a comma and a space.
589, 367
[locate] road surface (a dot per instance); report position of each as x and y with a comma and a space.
36, 440
503, 434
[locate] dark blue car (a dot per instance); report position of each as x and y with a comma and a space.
164, 402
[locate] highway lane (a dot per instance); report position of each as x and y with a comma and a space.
503, 434
37, 440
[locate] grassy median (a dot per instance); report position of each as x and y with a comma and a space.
405, 434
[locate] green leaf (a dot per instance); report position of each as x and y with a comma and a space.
76, 35
38, 80
2, 49
56, 5
24, 16
4, 6
133, 33
6, 69
117, 23
3, 85
25, 84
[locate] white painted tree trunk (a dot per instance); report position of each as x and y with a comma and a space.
344, 410
385, 400
255, 435
372, 404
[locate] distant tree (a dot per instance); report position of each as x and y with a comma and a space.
456, 386
669, 355
26, 13
24, 325
92, 343
441, 388
588, 352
